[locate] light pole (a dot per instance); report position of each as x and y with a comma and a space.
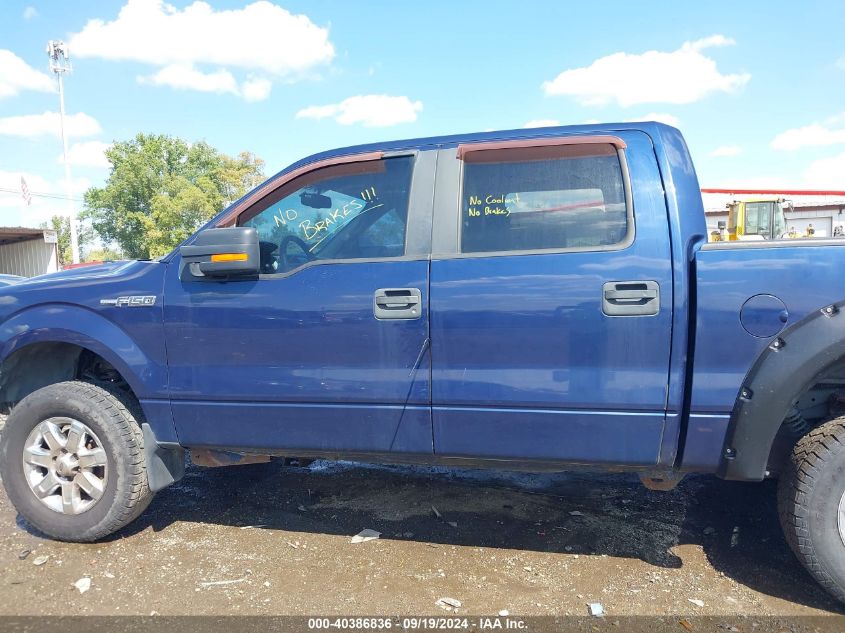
60, 64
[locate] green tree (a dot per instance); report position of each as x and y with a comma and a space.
161, 189
104, 254
61, 225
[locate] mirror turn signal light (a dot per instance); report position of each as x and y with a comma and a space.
230, 257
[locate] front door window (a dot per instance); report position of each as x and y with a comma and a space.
355, 211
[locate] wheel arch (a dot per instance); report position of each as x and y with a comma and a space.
37, 326
789, 366
35, 353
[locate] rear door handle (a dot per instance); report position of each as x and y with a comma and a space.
629, 295
630, 298
397, 303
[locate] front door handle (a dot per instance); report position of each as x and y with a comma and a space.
630, 298
397, 303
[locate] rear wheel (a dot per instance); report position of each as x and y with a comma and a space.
72, 461
811, 501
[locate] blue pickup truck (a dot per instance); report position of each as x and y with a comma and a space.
530, 300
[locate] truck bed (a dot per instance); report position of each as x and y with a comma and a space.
801, 275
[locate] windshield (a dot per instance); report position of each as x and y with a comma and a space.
758, 218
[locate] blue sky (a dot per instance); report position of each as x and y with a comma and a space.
758, 88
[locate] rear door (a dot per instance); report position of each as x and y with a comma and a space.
327, 349
551, 301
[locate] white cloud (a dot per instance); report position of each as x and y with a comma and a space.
87, 154
318, 112
682, 76
542, 123
186, 77
369, 110
726, 150
16, 75
12, 180
260, 38
826, 173
38, 185
47, 124
841, 62
78, 186
256, 89
829, 132
15, 212
29, 13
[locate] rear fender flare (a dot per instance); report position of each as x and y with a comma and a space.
785, 369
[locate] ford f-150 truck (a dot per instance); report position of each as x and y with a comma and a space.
529, 299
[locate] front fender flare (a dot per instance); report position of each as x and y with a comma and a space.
788, 366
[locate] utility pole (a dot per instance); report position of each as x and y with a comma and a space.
60, 64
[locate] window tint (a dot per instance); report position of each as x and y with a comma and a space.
551, 197
350, 211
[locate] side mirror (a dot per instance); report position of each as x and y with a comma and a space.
223, 253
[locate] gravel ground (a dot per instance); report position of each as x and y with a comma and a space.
271, 539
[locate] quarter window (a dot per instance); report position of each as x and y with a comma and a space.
350, 211
544, 197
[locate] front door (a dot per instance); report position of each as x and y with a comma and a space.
327, 350
551, 301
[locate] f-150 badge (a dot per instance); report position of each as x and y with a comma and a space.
132, 301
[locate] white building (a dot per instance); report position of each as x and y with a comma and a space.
28, 252
824, 210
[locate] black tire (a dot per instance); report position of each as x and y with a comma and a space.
809, 494
110, 415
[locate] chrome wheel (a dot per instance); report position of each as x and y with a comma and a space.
65, 465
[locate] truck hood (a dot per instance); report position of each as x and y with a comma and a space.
104, 271
86, 287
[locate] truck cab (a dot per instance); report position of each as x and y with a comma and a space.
528, 300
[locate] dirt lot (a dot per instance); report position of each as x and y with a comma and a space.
271, 539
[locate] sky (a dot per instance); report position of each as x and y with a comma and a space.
757, 88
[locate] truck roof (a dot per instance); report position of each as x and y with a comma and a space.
651, 128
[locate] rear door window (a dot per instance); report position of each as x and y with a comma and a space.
543, 198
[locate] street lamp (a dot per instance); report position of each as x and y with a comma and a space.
60, 64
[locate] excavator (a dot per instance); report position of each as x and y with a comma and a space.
759, 219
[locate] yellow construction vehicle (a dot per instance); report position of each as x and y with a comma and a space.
760, 219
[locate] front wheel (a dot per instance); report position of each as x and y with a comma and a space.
72, 461
811, 503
